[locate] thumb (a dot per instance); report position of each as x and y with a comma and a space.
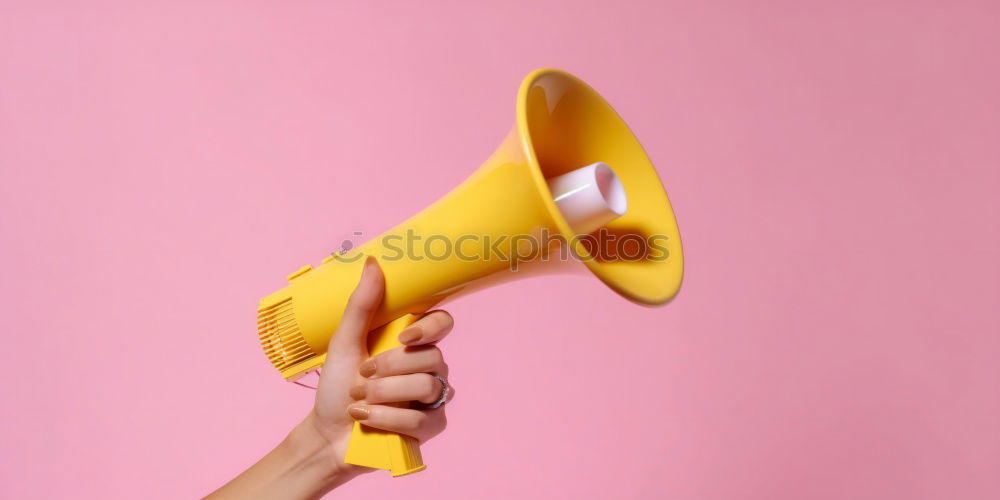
347, 348
349, 342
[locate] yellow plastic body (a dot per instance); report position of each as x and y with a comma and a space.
562, 124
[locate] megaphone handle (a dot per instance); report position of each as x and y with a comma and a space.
375, 448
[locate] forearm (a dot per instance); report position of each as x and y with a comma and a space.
302, 466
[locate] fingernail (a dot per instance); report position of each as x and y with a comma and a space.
358, 412
411, 335
367, 368
358, 392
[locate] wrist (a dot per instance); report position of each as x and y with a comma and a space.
306, 464
311, 454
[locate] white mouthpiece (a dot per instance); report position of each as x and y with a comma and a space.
589, 197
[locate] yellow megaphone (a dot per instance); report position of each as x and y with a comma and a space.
527, 194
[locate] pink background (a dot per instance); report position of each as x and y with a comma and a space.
834, 166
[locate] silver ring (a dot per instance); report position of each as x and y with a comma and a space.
445, 391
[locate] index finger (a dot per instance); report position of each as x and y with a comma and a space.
429, 329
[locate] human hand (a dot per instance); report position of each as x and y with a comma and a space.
354, 387
310, 461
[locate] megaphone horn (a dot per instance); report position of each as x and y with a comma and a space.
569, 171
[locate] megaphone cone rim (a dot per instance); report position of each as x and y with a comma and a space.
597, 268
